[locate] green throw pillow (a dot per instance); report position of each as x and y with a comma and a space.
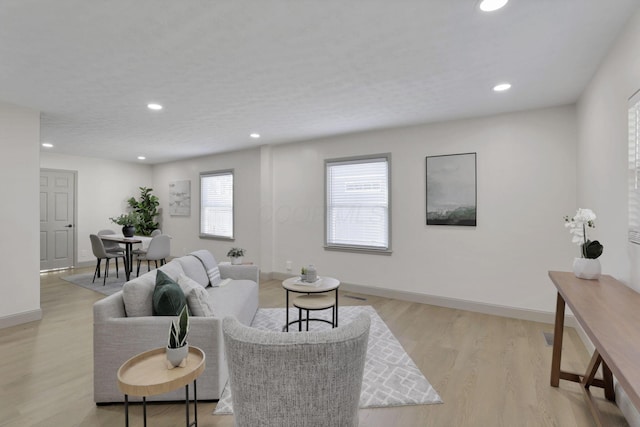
168, 298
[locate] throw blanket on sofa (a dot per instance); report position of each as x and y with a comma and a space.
210, 265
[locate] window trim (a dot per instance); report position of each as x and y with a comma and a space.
233, 206
358, 248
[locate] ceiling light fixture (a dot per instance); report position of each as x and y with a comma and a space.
502, 87
491, 5
47, 145
141, 157
255, 135
154, 106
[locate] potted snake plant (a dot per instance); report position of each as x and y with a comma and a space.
177, 347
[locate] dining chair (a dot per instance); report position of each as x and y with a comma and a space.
110, 247
101, 253
156, 232
159, 250
311, 379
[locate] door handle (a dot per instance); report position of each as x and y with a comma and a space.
69, 226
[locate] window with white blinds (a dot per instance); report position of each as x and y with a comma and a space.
216, 204
358, 203
634, 168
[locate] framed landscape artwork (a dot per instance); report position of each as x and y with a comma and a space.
180, 198
451, 189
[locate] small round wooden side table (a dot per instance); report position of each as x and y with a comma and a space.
322, 285
146, 374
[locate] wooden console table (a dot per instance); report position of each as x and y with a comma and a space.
609, 313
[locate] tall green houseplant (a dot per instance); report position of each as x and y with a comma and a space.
147, 209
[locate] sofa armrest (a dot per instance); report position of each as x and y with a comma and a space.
240, 272
109, 308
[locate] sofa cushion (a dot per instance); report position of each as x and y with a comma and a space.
168, 298
234, 300
194, 269
137, 294
197, 297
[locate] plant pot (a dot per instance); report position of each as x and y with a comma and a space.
128, 230
585, 268
236, 260
176, 355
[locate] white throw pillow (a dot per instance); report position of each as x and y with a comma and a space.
197, 297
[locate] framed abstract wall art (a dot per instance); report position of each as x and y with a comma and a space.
451, 189
180, 198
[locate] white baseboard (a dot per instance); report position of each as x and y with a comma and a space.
20, 318
459, 304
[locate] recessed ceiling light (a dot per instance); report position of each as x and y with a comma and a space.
154, 106
141, 157
47, 145
502, 87
491, 5
255, 135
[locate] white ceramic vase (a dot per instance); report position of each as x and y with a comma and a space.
236, 260
585, 268
175, 355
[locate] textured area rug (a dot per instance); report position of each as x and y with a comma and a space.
390, 376
113, 285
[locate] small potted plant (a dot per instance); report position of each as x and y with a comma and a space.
587, 266
177, 347
236, 255
128, 222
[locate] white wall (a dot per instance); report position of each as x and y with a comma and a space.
526, 184
185, 230
20, 243
603, 155
103, 188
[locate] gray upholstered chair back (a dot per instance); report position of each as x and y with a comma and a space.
110, 246
300, 379
159, 248
156, 232
97, 246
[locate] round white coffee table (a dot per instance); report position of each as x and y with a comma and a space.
323, 284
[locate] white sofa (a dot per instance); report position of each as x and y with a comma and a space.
123, 325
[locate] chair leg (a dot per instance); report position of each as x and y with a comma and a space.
299, 319
117, 268
106, 272
157, 264
308, 320
97, 270
138, 270
148, 266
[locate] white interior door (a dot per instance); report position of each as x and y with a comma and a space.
57, 219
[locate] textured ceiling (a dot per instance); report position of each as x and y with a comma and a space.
288, 69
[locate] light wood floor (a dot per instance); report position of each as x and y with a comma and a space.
489, 371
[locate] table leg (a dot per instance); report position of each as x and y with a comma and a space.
557, 342
286, 310
195, 402
126, 410
336, 307
186, 401
144, 410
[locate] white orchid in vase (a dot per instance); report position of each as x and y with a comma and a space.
577, 225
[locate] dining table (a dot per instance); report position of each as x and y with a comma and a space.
128, 243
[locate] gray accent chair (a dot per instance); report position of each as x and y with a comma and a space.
101, 253
301, 379
159, 250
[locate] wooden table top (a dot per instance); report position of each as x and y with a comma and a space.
146, 374
609, 313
